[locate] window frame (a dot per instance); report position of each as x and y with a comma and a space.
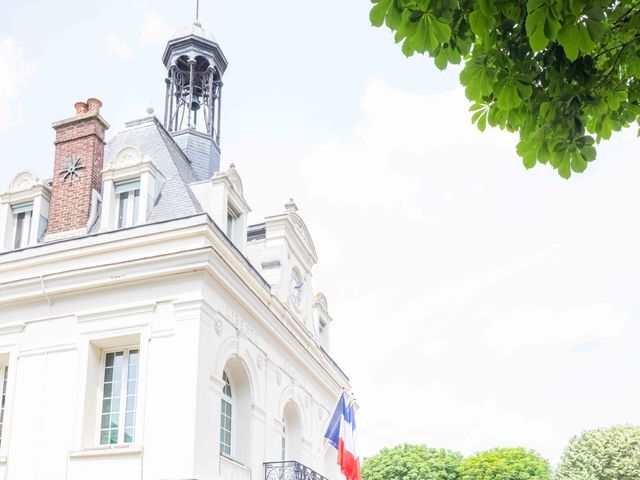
132, 189
4, 380
23, 240
123, 396
230, 400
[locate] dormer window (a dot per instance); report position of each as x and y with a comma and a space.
132, 184
128, 202
221, 197
23, 215
24, 210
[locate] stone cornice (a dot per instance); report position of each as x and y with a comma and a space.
150, 252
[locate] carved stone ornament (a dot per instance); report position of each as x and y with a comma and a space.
73, 168
127, 156
24, 181
219, 326
279, 377
234, 178
307, 401
260, 362
320, 413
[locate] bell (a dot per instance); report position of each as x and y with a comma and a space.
195, 105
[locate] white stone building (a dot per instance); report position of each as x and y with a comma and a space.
146, 330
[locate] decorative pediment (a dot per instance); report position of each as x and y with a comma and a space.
126, 157
129, 162
24, 181
303, 232
321, 300
235, 180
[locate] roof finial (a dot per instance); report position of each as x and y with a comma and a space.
197, 11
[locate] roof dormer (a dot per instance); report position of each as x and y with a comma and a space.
132, 183
24, 212
222, 198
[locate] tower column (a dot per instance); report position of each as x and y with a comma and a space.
219, 112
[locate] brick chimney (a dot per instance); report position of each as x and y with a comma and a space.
77, 171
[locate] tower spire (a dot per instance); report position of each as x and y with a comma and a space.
197, 11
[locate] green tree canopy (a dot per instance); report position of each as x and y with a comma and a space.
564, 74
412, 462
506, 464
605, 454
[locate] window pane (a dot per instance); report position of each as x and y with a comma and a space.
19, 226
136, 206
132, 390
110, 419
115, 419
107, 390
4, 371
132, 387
118, 406
123, 200
27, 228
119, 359
116, 386
226, 389
105, 421
225, 424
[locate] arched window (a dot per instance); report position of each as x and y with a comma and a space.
235, 412
292, 432
226, 416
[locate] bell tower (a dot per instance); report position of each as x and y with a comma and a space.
195, 66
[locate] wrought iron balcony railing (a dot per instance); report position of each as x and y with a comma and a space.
289, 471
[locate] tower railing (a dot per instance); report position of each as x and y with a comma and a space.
290, 471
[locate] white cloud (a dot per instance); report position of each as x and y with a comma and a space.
118, 47
154, 29
488, 303
15, 71
532, 326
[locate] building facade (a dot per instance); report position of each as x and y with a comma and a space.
146, 330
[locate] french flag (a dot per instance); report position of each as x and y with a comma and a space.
341, 433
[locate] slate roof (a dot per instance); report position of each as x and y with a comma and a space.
149, 136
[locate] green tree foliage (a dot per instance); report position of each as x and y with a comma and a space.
564, 74
412, 462
506, 464
605, 454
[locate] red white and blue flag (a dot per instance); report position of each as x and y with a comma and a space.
341, 433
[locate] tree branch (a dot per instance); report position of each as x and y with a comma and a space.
626, 13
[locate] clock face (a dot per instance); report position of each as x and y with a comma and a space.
296, 287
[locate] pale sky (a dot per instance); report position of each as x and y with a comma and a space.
475, 304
